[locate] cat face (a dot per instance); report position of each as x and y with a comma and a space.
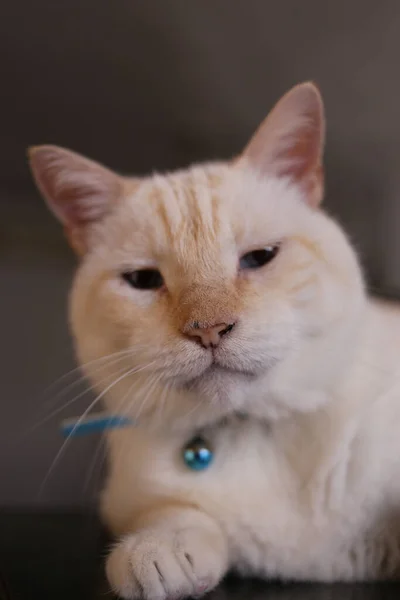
204, 280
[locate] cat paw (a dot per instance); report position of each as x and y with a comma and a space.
155, 565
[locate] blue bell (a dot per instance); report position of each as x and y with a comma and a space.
197, 454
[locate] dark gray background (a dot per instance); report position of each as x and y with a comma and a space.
144, 85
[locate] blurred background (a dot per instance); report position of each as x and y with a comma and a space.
145, 85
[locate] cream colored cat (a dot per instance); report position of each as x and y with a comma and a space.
229, 305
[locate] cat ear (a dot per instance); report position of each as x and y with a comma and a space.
290, 142
78, 191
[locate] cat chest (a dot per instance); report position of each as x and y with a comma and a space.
248, 486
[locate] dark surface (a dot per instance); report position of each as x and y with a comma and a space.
50, 555
60, 556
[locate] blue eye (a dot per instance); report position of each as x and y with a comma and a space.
258, 258
144, 279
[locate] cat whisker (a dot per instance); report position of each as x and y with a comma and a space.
146, 392
101, 443
82, 417
105, 361
150, 388
194, 408
163, 401
104, 358
81, 394
68, 403
72, 385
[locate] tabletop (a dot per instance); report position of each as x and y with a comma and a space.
59, 556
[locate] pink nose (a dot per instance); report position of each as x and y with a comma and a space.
208, 337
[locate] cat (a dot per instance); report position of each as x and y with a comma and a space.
221, 301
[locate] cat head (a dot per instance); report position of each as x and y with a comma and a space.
202, 282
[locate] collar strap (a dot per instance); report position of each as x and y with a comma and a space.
95, 423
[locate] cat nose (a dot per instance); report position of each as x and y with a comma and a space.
208, 337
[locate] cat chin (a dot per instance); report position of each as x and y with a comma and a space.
220, 384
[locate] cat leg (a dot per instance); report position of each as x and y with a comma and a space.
174, 552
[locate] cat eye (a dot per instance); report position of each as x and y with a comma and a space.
144, 279
258, 258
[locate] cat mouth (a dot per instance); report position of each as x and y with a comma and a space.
217, 371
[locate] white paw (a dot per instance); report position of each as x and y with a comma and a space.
159, 565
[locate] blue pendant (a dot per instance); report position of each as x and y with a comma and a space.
197, 454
